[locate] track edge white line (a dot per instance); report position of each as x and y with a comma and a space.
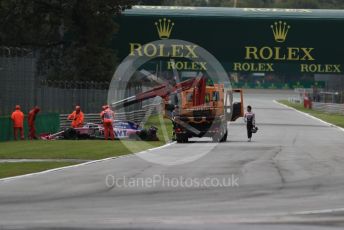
310, 116
82, 164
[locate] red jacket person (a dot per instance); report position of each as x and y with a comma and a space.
31, 121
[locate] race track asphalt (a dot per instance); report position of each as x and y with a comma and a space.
291, 176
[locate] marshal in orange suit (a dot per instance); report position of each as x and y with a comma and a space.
18, 122
77, 117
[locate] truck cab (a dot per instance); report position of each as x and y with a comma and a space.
203, 111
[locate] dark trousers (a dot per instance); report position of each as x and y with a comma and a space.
15, 132
249, 127
32, 132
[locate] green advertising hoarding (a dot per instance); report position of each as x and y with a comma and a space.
243, 40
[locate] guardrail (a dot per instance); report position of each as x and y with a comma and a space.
295, 100
328, 107
136, 116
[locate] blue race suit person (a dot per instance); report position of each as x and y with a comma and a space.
250, 121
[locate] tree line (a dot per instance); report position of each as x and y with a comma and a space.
74, 38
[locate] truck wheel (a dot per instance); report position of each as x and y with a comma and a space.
180, 138
224, 138
217, 138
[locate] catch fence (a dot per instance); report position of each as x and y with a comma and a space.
328, 107
22, 85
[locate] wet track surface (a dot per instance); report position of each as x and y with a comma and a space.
291, 176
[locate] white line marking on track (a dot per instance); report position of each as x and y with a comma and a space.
82, 164
310, 116
321, 211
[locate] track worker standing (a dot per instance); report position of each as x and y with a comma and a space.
77, 117
31, 121
250, 121
18, 122
107, 116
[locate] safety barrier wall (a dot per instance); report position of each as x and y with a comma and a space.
329, 107
285, 85
45, 123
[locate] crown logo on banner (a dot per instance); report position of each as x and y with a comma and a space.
164, 27
280, 30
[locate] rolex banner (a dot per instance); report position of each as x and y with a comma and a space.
243, 40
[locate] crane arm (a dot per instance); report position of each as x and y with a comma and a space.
162, 90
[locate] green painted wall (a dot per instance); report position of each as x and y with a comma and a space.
45, 123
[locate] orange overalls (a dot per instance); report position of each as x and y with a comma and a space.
107, 117
18, 123
77, 118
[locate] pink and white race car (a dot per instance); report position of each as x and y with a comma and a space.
122, 130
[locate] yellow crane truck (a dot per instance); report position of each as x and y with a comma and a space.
197, 109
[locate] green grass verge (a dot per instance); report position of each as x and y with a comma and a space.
71, 149
15, 169
164, 131
335, 119
82, 149
74, 149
